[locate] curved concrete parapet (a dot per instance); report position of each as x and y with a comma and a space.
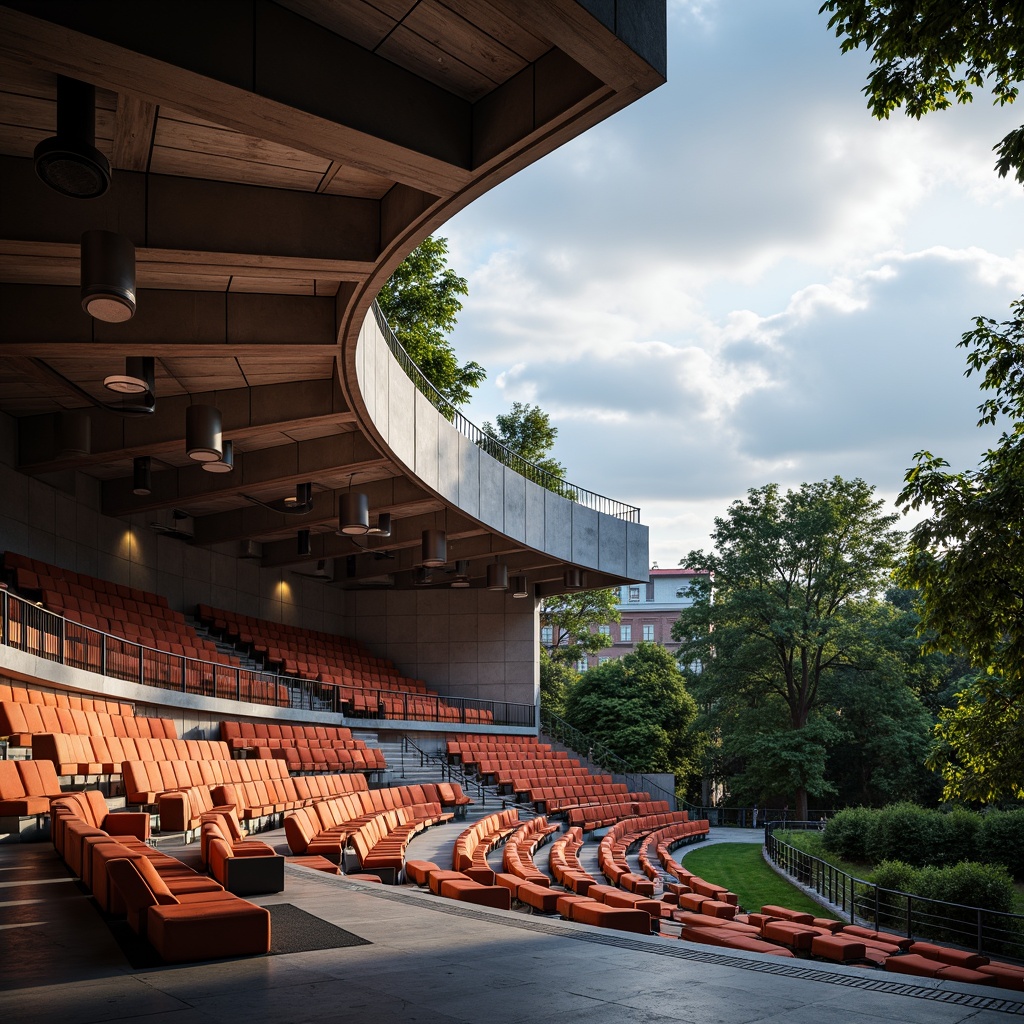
429, 447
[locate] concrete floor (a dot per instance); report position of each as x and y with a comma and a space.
430, 960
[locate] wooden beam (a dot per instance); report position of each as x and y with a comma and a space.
133, 133
284, 465
260, 69
245, 412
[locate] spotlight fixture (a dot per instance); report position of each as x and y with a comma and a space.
461, 580
108, 276
142, 476
574, 579
518, 586
137, 378
383, 527
226, 462
69, 161
203, 439
497, 577
74, 433
434, 548
303, 542
353, 513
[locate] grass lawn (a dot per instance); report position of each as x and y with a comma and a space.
741, 868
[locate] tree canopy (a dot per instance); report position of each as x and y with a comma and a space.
638, 707
929, 54
574, 618
420, 302
782, 612
526, 430
967, 560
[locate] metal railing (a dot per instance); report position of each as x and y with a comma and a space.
604, 757
491, 445
990, 932
30, 628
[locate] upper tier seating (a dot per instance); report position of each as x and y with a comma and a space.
305, 748
21, 721
366, 686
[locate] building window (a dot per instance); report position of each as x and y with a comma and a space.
601, 661
581, 665
626, 634
605, 630
649, 632
634, 595
547, 634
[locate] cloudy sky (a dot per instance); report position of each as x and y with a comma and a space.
744, 277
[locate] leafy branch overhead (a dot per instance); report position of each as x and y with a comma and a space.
930, 54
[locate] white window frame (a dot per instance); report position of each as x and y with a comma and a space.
626, 633
648, 631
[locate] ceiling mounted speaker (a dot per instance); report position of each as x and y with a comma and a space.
497, 577
203, 439
518, 586
74, 433
69, 161
108, 276
434, 548
226, 462
353, 513
137, 378
142, 476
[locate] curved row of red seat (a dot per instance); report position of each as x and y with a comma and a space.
517, 856
20, 721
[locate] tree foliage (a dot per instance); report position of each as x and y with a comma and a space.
793, 578
420, 302
930, 54
526, 430
639, 707
556, 682
574, 619
967, 560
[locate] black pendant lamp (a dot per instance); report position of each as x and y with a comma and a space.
108, 276
142, 476
69, 161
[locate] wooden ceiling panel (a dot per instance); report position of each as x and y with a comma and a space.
361, 22
277, 285
501, 28
184, 164
350, 181
435, 65
308, 433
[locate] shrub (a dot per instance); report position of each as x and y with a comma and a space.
902, 832
974, 885
955, 837
1001, 840
846, 833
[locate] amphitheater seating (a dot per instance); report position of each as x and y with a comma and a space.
517, 856
469, 854
98, 755
304, 747
27, 787
20, 721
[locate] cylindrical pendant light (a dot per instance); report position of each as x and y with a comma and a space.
69, 161
303, 496
497, 577
142, 476
383, 527
434, 547
573, 578
226, 462
108, 276
137, 378
353, 513
461, 580
203, 440
303, 542
518, 586
74, 433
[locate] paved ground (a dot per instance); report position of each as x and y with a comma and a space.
431, 961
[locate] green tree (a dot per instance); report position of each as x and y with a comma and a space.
420, 302
574, 619
527, 431
638, 707
556, 681
929, 54
966, 559
791, 575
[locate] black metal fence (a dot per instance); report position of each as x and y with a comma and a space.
990, 932
31, 628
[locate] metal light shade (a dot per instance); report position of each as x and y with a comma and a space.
518, 586
434, 547
383, 527
108, 276
142, 476
421, 576
226, 462
303, 496
203, 439
573, 579
69, 161
74, 433
461, 580
353, 513
497, 577
303, 542
137, 378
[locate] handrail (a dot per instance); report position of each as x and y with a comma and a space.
31, 628
506, 456
604, 757
991, 932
